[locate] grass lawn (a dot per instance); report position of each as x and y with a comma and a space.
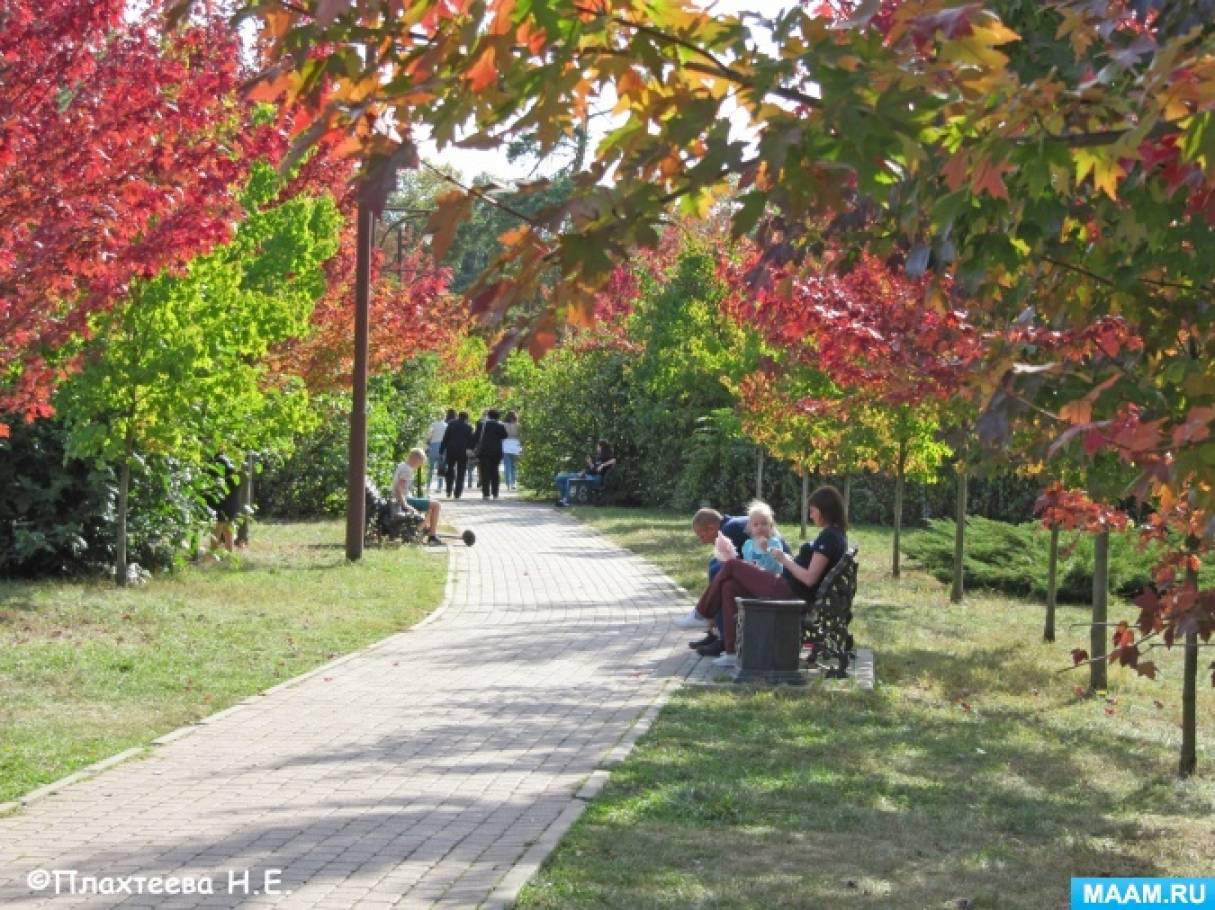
88, 670
974, 776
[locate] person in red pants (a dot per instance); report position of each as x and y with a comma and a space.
800, 577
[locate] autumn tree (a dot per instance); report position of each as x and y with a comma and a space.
120, 156
1052, 164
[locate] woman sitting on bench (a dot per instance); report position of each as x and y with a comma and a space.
799, 579
597, 466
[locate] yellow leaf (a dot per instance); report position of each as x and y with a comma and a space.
1104, 168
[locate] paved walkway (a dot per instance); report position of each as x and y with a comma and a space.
434, 769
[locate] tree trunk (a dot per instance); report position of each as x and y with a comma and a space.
246, 500
1189, 696
805, 501
900, 482
847, 495
1098, 677
959, 537
759, 476
120, 534
1052, 586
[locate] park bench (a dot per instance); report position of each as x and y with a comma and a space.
779, 628
582, 492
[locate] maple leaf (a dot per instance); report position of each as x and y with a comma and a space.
987, 178
450, 209
484, 72
1079, 656
1197, 426
956, 170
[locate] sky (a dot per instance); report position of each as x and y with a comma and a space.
471, 162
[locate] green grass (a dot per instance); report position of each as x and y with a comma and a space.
87, 670
974, 772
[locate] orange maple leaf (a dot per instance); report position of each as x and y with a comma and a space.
482, 74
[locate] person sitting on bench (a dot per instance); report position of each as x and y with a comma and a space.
799, 580
597, 467
402, 481
706, 525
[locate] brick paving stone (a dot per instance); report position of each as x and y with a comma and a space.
415, 774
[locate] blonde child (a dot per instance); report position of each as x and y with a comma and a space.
763, 535
402, 484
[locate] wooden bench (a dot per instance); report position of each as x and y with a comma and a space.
824, 627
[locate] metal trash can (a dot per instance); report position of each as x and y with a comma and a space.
769, 641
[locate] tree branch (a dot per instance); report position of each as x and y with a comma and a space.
483, 196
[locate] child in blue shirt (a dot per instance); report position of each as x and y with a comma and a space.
761, 526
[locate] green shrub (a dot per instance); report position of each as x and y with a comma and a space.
57, 514
1014, 559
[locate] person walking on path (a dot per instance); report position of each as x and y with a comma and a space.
511, 449
489, 454
473, 466
454, 450
434, 446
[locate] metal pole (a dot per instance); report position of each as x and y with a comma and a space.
355, 501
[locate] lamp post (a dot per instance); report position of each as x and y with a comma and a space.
356, 504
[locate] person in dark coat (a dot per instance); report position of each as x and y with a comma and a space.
454, 450
489, 453
473, 466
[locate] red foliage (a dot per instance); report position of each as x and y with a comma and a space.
118, 155
869, 329
1072, 510
410, 314
614, 301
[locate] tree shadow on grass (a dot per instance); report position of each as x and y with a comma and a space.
796, 796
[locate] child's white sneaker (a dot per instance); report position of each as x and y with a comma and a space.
726, 660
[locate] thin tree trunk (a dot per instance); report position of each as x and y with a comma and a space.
1098, 677
805, 501
120, 535
1189, 697
847, 494
1052, 586
759, 476
900, 482
246, 500
959, 537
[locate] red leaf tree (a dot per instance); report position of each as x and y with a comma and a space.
119, 150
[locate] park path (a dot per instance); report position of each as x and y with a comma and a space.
433, 769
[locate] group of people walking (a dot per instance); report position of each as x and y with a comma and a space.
458, 450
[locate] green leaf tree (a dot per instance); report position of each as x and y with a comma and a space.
179, 367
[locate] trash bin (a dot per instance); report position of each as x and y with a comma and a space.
769, 641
